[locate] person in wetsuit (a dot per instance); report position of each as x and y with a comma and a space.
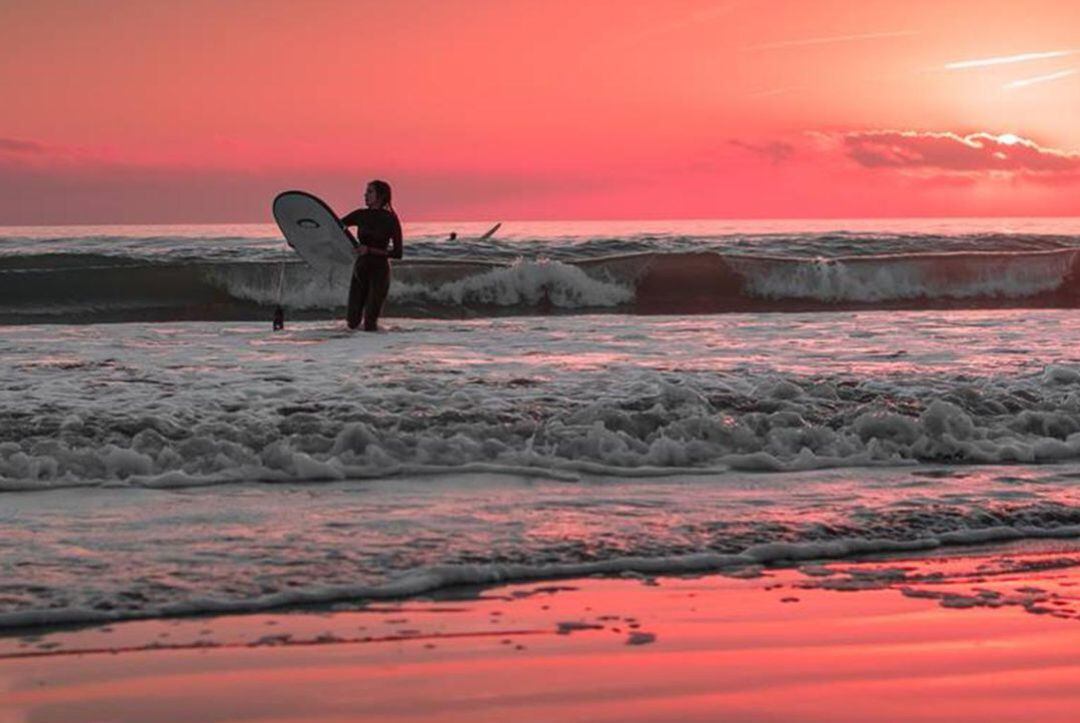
378, 233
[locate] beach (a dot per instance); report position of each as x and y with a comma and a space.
984, 633
523, 498
502, 360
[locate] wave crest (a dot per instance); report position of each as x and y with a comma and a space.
98, 288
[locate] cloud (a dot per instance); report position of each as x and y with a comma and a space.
775, 151
773, 92
953, 153
708, 14
49, 184
14, 145
831, 39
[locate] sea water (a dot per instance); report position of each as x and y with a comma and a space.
813, 390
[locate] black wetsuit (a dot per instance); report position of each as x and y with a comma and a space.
379, 234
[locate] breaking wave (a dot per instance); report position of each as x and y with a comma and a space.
84, 288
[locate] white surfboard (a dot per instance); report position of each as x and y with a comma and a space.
311, 227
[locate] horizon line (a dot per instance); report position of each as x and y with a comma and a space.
562, 220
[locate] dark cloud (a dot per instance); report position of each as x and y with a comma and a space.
14, 145
950, 152
59, 187
776, 151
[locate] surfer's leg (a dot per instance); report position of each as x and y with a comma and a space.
380, 285
359, 289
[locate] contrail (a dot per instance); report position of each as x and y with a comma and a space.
831, 39
773, 91
1040, 79
701, 16
1005, 59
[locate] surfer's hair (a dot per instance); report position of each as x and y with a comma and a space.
382, 190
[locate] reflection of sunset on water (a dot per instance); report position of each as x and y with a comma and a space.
845, 642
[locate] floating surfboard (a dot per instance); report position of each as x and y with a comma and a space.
311, 227
490, 232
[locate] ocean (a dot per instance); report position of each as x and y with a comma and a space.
217, 273
564, 399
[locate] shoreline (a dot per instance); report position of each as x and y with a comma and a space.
986, 633
733, 553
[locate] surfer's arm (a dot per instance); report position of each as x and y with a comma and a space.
350, 220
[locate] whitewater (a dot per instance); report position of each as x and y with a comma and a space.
146, 273
532, 410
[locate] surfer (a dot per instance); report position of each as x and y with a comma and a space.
378, 233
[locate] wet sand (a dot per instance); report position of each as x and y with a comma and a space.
988, 634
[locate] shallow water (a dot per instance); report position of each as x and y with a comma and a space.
198, 467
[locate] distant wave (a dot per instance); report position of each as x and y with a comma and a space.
95, 287
566, 244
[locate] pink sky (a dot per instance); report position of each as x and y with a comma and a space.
201, 110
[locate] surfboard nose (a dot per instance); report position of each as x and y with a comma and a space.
313, 230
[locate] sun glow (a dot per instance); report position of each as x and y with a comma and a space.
664, 108
1008, 139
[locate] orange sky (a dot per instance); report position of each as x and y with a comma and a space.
200, 110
